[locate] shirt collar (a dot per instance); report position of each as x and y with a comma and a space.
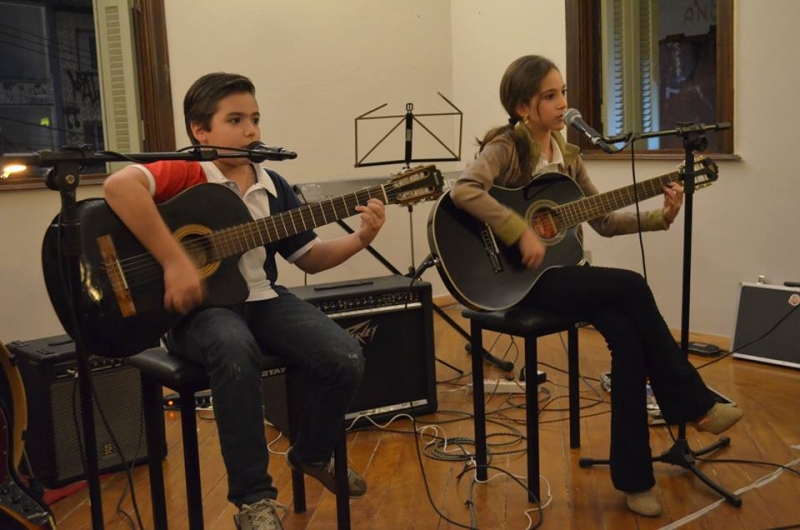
213, 174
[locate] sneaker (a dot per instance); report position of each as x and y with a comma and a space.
356, 484
721, 417
258, 516
644, 503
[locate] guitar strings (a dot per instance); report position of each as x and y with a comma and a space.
143, 268
574, 213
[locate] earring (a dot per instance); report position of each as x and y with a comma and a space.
526, 120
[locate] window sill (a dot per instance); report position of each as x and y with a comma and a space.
595, 154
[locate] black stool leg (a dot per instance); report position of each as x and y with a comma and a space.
343, 491
153, 404
574, 401
478, 405
532, 419
298, 492
191, 460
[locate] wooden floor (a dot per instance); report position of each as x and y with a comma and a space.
407, 492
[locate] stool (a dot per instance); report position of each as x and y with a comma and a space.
530, 324
161, 369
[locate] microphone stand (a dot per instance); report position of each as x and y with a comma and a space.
680, 454
63, 176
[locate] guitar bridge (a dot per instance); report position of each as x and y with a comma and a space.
491, 249
116, 276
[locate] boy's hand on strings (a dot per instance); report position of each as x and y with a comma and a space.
373, 215
183, 287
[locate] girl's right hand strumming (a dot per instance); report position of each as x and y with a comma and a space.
532, 249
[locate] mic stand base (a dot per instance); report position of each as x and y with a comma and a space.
680, 454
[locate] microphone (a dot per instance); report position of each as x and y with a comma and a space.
258, 152
573, 118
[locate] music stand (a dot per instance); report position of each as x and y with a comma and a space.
409, 119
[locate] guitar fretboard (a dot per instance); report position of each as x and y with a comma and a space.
576, 212
241, 238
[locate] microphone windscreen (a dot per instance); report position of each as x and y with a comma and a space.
571, 115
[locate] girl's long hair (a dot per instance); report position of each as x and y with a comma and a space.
521, 81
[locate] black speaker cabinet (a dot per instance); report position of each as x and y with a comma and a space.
393, 321
54, 439
767, 327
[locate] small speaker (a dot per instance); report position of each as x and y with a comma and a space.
767, 327
393, 321
54, 440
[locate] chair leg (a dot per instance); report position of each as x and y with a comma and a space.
298, 492
340, 472
532, 421
574, 401
153, 404
478, 405
191, 460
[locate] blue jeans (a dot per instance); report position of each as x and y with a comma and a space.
230, 342
621, 307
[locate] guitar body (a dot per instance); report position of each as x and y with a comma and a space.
191, 214
481, 272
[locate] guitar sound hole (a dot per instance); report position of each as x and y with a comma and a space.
544, 225
197, 246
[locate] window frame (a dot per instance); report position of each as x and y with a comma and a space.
584, 70
155, 92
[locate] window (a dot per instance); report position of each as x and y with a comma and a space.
61, 59
647, 65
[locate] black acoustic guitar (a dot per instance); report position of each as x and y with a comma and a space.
483, 274
121, 306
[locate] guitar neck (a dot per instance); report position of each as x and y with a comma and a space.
576, 212
246, 236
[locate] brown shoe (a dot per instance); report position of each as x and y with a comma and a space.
644, 503
260, 515
720, 418
356, 485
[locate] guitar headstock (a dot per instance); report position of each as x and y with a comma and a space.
415, 184
706, 172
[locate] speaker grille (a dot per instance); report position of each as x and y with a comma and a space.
119, 393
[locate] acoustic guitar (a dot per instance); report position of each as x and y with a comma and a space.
120, 310
483, 274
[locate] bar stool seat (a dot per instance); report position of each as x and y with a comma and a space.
159, 368
530, 324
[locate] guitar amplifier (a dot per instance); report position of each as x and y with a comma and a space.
767, 326
393, 321
54, 439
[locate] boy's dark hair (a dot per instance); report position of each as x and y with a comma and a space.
521, 81
200, 102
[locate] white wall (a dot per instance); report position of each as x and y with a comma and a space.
317, 65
